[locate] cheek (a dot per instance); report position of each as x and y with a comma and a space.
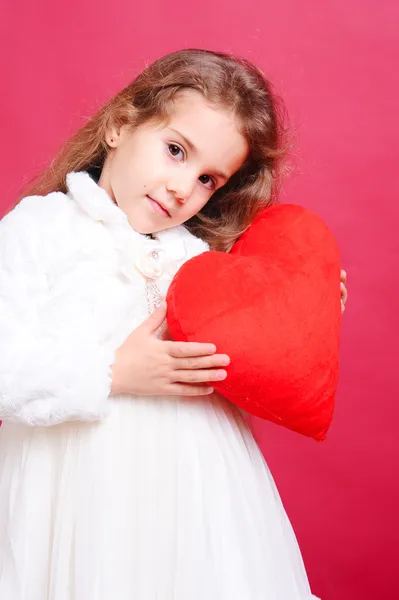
148, 166
195, 207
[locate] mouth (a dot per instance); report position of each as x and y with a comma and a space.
158, 208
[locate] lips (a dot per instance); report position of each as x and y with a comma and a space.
158, 207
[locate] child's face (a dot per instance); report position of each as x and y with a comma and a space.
160, 179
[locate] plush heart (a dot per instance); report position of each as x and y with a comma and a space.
272, 305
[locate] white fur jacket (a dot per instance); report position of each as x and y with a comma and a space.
74, 280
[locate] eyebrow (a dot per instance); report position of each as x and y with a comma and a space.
195, 149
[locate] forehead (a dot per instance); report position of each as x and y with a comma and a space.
213, 131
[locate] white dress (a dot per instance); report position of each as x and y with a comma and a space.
129, 497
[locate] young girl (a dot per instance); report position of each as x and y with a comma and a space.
122, 475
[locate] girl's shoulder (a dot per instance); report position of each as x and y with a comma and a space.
60, 217
34, 215
32, 235
32, 221
36, 207
43, 229
179, 239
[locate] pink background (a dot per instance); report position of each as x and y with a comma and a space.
336, 65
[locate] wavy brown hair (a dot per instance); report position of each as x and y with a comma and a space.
225, 81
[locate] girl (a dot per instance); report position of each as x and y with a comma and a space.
122, 475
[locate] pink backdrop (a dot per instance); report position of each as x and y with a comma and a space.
336, 64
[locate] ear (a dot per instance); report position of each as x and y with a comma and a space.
114, 135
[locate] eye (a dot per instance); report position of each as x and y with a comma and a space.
205, 179
174, 150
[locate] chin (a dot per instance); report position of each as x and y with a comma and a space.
145, 228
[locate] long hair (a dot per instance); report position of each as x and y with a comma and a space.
229, 82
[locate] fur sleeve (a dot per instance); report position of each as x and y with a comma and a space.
50, 369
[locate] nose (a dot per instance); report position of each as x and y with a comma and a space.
182, 187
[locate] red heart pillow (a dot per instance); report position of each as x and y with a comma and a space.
272, 305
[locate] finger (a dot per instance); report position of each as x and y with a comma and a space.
342, 307
181, 389
200, 376
202, 362
344, 276
344, 293
190, 349
155, 319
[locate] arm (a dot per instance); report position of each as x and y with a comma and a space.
52, 369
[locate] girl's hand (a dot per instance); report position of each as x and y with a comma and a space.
148, 366
344, 291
